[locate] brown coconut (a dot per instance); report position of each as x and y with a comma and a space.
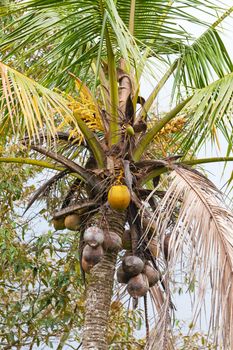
138, 286
92, 255
86, 266
112, 242
59, 224
72, 222
93, 236
132, 265
126, 240
152, 275
122, 276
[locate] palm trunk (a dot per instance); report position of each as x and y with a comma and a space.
99, 290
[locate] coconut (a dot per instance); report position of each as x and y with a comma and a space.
130, 130
92, 255
122, 276
93, 236
126, 240
119, 197
112, 242
132, 265
152, 275
72, 222
86, 266
59, 224
138, 286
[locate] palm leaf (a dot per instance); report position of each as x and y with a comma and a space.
204, 231
28, 107
42, 190
204, 60
155, 22
208, 112
69, 35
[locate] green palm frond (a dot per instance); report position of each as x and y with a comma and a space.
156, 23
204, 60
68, 34
209, 111
28, 107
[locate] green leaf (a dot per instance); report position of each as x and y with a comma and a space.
92, 142
208, 111
145, 141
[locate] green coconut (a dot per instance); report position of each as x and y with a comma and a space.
130, 130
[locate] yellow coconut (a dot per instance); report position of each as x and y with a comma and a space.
119, 197
59, 224
72, 222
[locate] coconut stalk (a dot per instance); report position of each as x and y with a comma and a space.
100, 287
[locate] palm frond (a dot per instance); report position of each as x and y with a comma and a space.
156, 23
69, 35
209, 111
28, 107
204, 60
204, 232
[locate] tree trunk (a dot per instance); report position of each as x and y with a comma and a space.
100, 288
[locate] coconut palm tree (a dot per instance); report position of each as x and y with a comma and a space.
78, 104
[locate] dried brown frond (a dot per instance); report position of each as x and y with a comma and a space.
203, 231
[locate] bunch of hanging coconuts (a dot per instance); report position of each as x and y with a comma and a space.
96, 241
139, 275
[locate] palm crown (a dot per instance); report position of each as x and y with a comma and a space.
87, 116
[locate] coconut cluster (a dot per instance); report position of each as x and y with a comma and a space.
71, 222
96, 242
139, 275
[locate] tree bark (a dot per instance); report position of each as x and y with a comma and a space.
100, 288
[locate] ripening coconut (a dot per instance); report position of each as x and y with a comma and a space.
92, 255
59, 224
112, 242
72, 222
152, 275
138, 286
93, 236
119, 197
122, 276
126, 240
132, 265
